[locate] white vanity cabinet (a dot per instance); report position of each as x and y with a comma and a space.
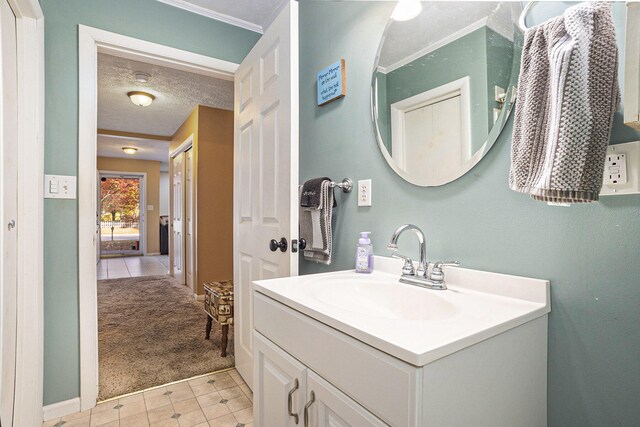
287, 393
408, 357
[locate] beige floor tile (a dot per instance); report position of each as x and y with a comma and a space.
204, 424
203, 388
115, 423
102, 407
226, 421
247, 391
215, 411
220, 376
238, 404
132, 407
157, 401
183, 394
160, 414
223, 383
79, 422
191, 419
236, 377
209, 399
104, 416
50, 423
76, 415
248, 425
178, 387
155, 392
231, 393
244, 416
200, 380
186, 406
165, 423
138, 397
137, 420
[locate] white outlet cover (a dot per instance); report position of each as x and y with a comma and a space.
364, 192
631, 150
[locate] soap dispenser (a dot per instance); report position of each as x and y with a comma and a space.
364, 253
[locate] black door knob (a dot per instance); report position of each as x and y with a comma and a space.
302, 244
274, 245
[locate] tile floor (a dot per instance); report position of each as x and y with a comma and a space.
217, 400
116, 268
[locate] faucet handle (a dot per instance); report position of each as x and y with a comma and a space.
407, 269
437, 274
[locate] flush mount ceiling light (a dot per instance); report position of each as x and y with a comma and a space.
141, 99
129, 150
406, 10
141, 77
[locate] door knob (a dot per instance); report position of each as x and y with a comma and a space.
274, 245
303, 244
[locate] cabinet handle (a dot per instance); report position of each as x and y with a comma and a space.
290, 401
306, 408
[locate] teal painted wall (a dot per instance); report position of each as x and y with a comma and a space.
144, 19
589, 253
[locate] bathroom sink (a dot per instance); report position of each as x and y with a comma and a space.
378, 297
412, 323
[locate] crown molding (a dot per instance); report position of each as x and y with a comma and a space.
190, 7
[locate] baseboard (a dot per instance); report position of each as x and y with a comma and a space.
60, 409
152, 254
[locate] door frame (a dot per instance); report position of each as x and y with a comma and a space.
182, 148
92, 41
143, 202
30, 217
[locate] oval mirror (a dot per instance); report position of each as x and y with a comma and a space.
443, 87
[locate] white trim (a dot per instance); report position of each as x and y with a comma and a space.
152, 254
60, 409
30, 217
442, 42
90, 42
461, 87
184, 146
142, 229
227, 19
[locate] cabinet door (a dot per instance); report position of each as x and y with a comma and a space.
274, 384
332, 408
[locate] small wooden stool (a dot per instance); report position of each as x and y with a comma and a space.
218, 303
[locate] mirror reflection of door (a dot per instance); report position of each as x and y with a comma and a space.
121, 215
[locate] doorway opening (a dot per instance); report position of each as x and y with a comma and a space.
121, 214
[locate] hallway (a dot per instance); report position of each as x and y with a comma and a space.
117, 268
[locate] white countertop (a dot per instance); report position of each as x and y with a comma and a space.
414, 324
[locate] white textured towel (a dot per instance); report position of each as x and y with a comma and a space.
567, 96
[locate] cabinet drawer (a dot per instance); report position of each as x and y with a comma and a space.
386, 386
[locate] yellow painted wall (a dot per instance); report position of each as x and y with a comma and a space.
152, 196
212, 130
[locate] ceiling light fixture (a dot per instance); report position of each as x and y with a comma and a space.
406, 10
141, 76
141, 99
129, 150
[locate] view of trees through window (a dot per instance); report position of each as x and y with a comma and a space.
120, 214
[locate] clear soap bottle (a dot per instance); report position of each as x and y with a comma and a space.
364, 253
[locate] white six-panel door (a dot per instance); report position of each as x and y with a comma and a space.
8, 211
265, 170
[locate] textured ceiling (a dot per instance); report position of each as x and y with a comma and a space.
439, 20
148, 149
177, 93
257, 12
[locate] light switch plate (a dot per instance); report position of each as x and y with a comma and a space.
630, 185
59, 187
364, 192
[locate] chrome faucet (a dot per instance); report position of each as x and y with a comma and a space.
419, 276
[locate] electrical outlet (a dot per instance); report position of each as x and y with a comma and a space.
621, 172
364, 192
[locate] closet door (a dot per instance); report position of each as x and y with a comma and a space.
9, 210
177, 215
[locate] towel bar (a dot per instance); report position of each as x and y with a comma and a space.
346, 185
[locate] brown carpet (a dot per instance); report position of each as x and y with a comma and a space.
151, 332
